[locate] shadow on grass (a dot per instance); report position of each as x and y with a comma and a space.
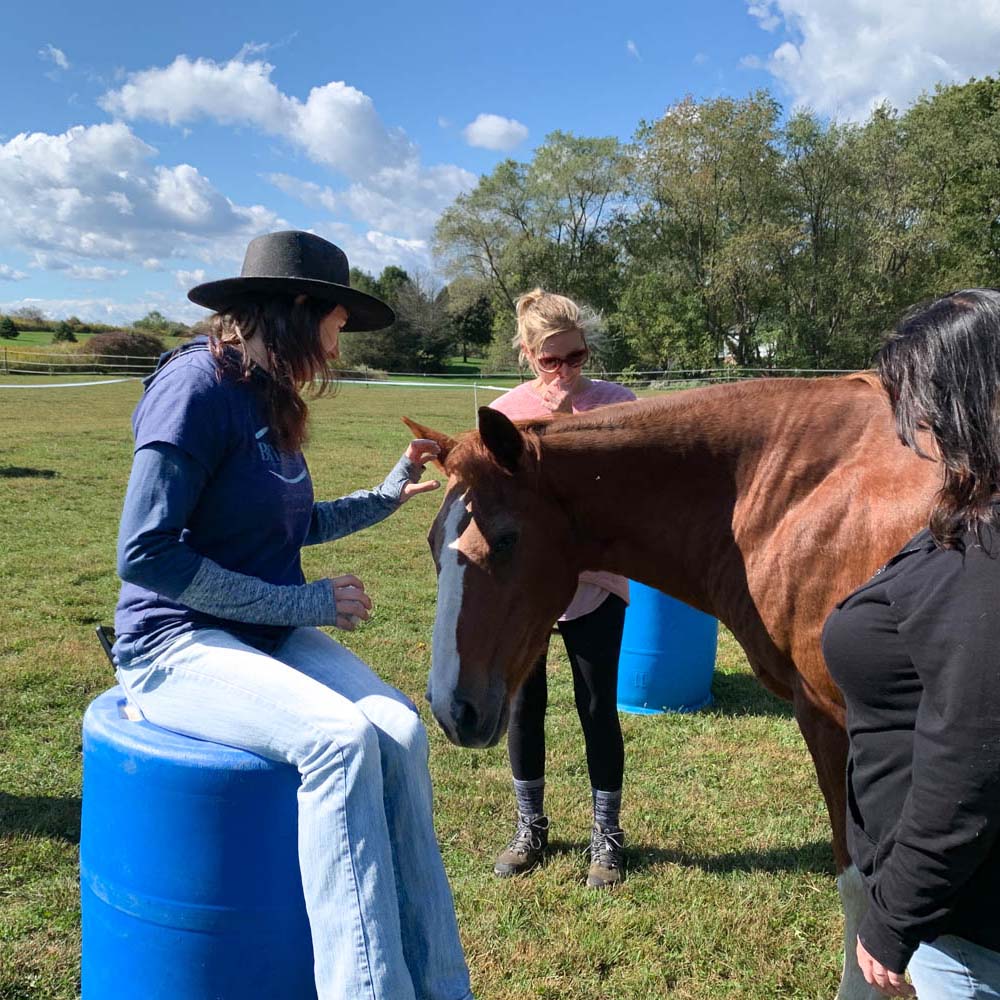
816, 857
20, 472
743, 694
41, 816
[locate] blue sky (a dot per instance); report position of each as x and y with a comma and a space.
142, 146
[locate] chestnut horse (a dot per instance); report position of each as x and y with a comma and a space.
761, 503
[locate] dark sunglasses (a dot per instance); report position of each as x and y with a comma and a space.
575, 359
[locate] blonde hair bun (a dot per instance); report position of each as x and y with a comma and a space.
527, 301
542, 314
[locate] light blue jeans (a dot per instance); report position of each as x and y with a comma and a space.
380, 908
952, 968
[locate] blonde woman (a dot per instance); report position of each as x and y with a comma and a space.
552, 334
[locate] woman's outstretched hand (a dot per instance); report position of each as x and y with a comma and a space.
352, 603
420, 451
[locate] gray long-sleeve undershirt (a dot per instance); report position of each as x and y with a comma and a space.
163, 490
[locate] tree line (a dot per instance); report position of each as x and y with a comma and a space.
432, 322
153, 324
725, 231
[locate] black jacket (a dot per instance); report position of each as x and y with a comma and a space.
916, 651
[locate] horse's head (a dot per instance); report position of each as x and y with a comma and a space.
505, 559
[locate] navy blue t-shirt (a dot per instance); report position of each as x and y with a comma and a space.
254, 511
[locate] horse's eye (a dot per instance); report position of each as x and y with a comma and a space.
503, 545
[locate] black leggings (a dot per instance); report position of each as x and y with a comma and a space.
593, 643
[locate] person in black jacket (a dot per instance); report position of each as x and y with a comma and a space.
916, 651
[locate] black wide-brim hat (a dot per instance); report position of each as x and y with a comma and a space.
296, 263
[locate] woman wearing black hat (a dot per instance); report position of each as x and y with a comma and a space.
216, 623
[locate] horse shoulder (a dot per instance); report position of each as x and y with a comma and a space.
833, 496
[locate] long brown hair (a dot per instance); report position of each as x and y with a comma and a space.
941, 369
288, 330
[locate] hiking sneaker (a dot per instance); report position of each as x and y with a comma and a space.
607, 858
526, 848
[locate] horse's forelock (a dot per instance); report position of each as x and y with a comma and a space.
471, 460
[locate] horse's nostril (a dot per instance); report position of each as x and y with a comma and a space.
465, 716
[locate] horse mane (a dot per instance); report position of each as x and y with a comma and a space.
868, 376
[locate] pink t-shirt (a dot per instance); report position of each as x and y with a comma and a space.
523, 403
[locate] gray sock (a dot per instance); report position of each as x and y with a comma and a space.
607, 806
530, 797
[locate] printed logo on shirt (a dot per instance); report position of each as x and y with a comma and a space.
270, 455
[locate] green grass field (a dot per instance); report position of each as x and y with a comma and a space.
37, 339
730, 890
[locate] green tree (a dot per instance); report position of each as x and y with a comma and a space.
31, 318
153, 322
546, 222
953, 142
421, 337
473, 323
827, 270
8, 328
483, 234
364, 282
392, 283
63, 334
539, 223
705, 231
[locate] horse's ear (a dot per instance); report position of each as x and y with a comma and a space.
501, 437
443, 442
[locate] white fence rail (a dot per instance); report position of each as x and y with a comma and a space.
19, 361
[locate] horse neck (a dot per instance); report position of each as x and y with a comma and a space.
659, 491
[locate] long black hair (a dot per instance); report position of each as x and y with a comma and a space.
288, 329
941, 369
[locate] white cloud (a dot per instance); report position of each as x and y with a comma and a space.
633, 50
108, 310
93, 193
700, 58
761, 9
152, 264
53, 262
307, 192
495, 132
842, 57
374, 250
8, 273
406, 200
96, 273
188, 279
54, 55
248, 49
336, 125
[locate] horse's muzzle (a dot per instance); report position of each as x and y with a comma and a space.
467, 726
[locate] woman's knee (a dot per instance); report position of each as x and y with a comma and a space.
404, 737
345, 733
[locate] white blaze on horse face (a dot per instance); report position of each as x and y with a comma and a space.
444, 650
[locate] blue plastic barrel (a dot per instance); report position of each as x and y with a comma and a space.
668, 654
189, 874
